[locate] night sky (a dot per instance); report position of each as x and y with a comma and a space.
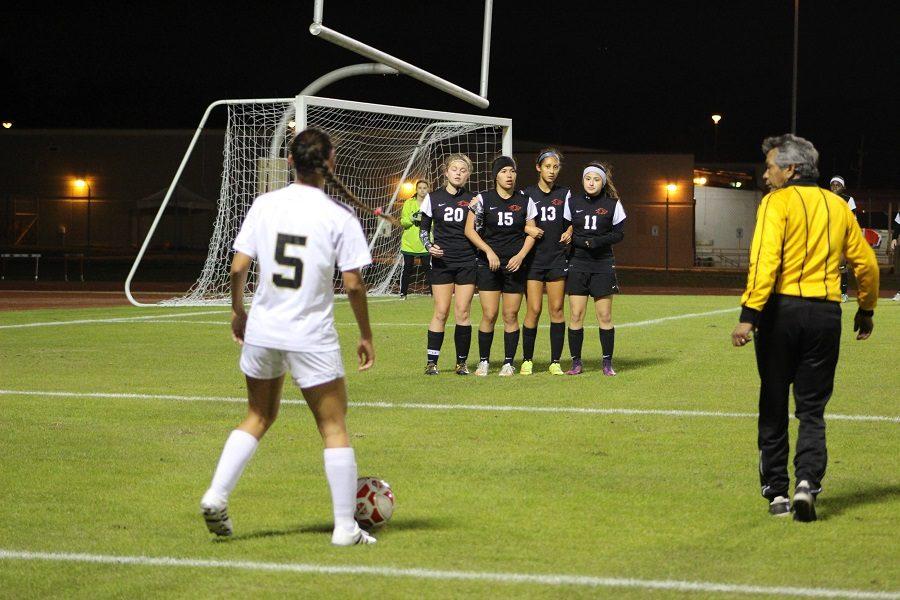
623, 76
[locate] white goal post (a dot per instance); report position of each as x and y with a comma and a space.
378, 149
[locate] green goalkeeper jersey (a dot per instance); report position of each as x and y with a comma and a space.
410, 218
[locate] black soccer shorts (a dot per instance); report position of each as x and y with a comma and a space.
580, 283
558, 269
500, 280
442, 273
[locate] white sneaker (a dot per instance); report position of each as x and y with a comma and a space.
482, 369
507, 370
342, 537
896, 297
215, 513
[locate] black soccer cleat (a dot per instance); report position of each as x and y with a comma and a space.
462, 369
431, 368
804, 504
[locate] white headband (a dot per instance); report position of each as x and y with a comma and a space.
837, 178
597, 170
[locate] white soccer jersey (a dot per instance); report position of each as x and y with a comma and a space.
297, 234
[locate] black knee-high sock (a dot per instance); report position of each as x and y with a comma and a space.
510, 343
529, 334
576, 339
435, 341
608, 342
463, 338
845, 282
485, 340
557, 336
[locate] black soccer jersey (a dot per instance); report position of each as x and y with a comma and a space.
596, 224
554, 218
849, 200
503, 221
448, 213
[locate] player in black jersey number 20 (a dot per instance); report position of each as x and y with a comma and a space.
548, 265
597, 223
503, 246
452, 261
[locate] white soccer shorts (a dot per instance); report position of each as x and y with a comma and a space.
308, 369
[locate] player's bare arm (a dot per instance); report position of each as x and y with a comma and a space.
534, 231
356, 294
240, 266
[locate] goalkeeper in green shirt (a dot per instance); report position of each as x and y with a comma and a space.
414, 253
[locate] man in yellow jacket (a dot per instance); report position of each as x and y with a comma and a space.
410, 245
792, 301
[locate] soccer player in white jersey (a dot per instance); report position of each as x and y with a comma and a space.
297, 234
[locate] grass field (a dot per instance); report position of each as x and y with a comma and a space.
111, 422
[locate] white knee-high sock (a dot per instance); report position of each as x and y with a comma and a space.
340, 469
238, 450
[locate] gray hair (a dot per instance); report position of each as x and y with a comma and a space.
794, 150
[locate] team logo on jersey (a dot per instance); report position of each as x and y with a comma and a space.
601, 211
556, 202
462, 203
514, 207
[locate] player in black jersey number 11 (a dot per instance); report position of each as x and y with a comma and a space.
598, 222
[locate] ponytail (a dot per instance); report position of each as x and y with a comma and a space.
310, 150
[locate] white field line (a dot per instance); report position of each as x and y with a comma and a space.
148, 318
447, 407
420, 325
554, 580
111, 320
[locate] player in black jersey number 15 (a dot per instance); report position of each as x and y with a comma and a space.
503, 246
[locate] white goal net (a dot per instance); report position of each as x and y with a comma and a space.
378, 149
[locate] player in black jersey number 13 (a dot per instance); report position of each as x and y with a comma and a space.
548, 265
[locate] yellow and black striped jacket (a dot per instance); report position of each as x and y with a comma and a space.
801, 233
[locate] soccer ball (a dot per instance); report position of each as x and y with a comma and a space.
374, 502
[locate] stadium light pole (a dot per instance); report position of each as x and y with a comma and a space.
670, 188
794, 86
715, 119
84, 184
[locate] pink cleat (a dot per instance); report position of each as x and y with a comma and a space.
608, 368
576, 369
